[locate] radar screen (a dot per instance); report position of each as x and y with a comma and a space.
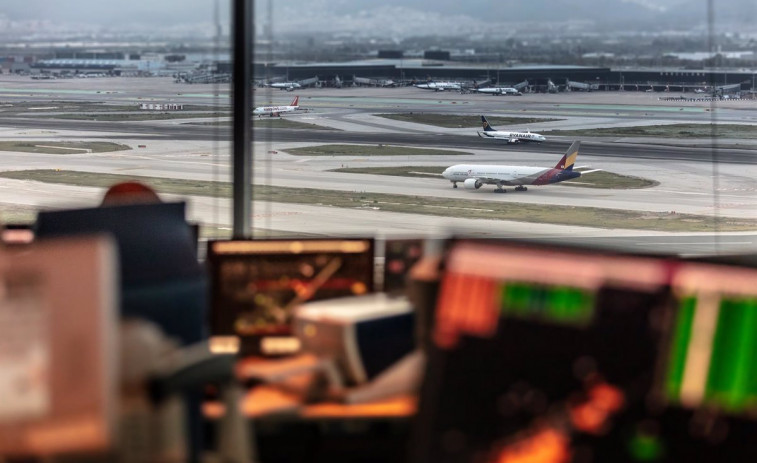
257, 284
556, 355
538, 354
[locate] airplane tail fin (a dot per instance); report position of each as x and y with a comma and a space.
485, 123
567, 161
295, 101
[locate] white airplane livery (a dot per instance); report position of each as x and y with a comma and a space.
474, 176
510, 137
274, 111
440, 86
288, 86
499, 91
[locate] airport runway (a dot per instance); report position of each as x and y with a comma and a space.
689, 181
189, 132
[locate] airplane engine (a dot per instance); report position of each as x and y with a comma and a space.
472, 184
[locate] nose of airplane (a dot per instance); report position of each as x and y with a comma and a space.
445, 173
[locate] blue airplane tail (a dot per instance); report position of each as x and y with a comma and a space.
487, 127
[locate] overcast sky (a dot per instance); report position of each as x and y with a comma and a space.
383, 16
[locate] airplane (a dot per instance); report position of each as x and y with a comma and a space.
358, 81
288, 86
511, 137
475, 176
440, 86
277, 110
499, 91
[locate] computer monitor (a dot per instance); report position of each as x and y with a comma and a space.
256, 285
161, 278
58, 348
155, 242
539, 351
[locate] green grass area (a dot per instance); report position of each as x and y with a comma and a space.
601, 179
369, 150
61, 147
668, 131
456, 121
14, 214
133, 116
447, 207
611, 181
36, 108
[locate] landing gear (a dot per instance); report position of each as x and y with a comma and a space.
521, 188
454, 184
500, 190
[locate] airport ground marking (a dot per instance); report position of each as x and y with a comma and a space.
447, 207
371, 150
452, 121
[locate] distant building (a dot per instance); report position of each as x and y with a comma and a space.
390, 54
438, 55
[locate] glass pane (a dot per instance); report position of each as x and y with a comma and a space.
95, 93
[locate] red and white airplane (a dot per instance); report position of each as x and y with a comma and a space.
274, 111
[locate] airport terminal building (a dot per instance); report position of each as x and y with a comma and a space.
538, 76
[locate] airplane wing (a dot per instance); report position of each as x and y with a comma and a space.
590, 171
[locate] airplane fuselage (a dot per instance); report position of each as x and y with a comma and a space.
499, 91
273, 110
439, 86
506, 175
512, 137
285, 85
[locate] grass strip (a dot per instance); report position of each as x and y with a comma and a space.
446, 207
61, 147
668, 131
457, 121
132, 116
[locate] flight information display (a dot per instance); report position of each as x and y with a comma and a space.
257, 284
558, 355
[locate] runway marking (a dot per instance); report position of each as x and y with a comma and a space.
695, 193
304, 160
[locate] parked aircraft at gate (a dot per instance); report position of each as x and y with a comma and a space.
510, 137
475, 176
499, 90
440, 86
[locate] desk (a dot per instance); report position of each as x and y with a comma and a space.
285, 430
265, 402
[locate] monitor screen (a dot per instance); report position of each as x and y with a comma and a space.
711, 351
256, 284
553, 354
538, 350
155, 243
